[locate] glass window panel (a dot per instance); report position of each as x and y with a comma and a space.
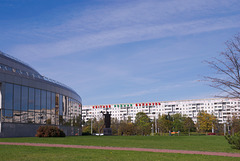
37, 100
7, 115
31, 117
24, 117
57, 104
57, 109
60, 105
60, 118
17, 103
52, 112
44, 118
57, 120
24, 101
49, 121
53, 104
17, 97
16, 116
38, 117
69, 106
48, 102
80, 106
43, 101
8, 96
31, 99
65, 120
53, 119
64, 105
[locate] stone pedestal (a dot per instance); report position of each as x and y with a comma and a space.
107, 131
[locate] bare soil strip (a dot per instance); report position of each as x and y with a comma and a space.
126, 149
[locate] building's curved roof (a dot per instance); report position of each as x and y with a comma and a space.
20, 64
16, 66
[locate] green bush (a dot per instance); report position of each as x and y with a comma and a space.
234, 140
49, 131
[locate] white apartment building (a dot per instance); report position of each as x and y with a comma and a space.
222, 108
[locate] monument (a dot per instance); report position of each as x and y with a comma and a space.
107, 122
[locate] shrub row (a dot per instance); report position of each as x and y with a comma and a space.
49, 131
211, 133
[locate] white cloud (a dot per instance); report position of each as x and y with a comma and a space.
124, 35
128, 22
156, 67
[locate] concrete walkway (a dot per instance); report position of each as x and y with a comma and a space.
126, 149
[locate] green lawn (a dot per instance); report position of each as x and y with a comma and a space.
196, 143
27, 153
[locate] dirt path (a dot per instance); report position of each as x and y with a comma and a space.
126, 149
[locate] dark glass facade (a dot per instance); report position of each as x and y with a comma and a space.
26, 97
30, 105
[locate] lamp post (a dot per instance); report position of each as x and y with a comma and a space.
152, 130
91, 126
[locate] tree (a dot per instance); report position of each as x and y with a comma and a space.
99, 125
205, 121
86, 129
129, 129
129, 120
165, 123
227, 68
142, 121
122, 127
188, 124
126, 128
114, 126
235, 125
177, 122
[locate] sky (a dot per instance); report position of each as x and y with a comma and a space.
121, 51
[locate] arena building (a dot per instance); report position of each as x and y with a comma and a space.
222, 108
28, 100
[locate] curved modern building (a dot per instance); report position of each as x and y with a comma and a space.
28, 100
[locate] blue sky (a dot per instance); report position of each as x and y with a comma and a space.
121, 51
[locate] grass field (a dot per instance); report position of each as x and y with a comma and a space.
25, 153
196, 143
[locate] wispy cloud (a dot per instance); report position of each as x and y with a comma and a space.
124, 50
161, 88
131, 22
125, 35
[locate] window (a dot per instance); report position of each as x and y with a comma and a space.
7, 116
31, 101
17, 103
48, 102
24, 100
43, 101
24, 105
60, 105
37, 100
9, 96
57, 109
53, 104
43, 107
38, 116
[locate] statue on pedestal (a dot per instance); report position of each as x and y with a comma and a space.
107, 122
